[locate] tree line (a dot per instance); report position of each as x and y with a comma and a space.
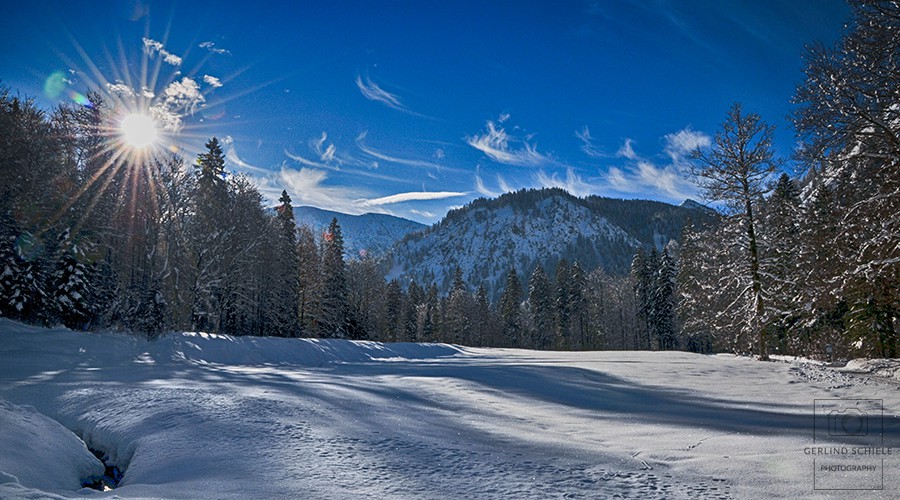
94, 236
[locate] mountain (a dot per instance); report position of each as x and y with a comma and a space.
374, 234
488, 237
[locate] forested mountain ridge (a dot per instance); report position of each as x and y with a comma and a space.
523, 229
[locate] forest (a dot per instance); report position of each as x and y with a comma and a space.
94, 235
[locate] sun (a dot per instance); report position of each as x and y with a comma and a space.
138, 130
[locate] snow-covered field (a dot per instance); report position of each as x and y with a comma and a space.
201, 416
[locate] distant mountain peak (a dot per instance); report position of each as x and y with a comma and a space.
689, 203
520, 230
365, 234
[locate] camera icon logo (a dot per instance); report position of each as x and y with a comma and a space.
848, 422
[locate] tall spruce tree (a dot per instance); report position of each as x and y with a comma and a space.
510, 310
541, 306
334, 306
286, 298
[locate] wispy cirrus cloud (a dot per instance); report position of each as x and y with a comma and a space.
325, 153
641, 176
410, 162
587, 143
572, 182
412, 196
680, 144
627, 150
210, 46
484, 190
326, 156
503, 148
371, 91
153, 47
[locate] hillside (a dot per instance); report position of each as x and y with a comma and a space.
519, 230
373, 234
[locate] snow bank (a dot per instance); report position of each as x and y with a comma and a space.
38, 452
225, 349
887, 368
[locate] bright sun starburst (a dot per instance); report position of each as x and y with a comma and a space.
138, 130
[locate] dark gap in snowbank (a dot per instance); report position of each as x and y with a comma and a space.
112, 474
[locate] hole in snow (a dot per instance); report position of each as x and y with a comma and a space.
111, 476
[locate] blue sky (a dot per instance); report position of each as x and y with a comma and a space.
412, 108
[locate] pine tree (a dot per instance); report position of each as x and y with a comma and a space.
663, 300
415, 297
333, 322
540, 303
457, 322
510, 310
642, 269
578, 308
309, 281
482, 318
780, 234
287, 269
393, 323
71, 290
561, 284
209, 238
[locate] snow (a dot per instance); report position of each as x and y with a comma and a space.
193, 415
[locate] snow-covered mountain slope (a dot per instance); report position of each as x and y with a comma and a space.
203, 416
519, 230
368, 233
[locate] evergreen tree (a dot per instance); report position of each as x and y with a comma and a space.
457, 321
563, 319
510, 310
483, 320
540, 303
393, 324
415, 297
333, 323
209, 236
578, 308
287, 269
309, 281
663, 303
71, 290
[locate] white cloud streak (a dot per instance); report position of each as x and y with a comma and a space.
371, 91
642, 176
483, 190
360, 143
210, 46
495, 144
587, 143
680, 144
153, 47
412, 196
212, 81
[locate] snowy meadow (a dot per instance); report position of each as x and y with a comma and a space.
194, 415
